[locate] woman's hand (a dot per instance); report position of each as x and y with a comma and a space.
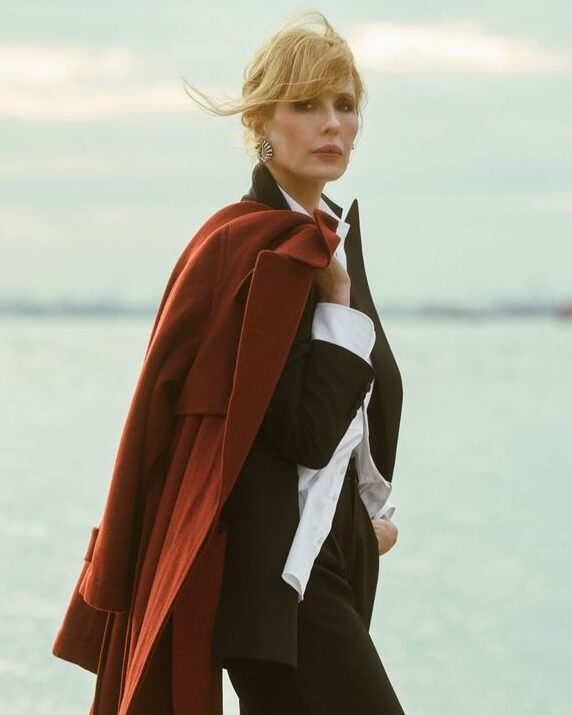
386, 533
333, 283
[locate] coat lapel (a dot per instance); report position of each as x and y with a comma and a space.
384, 409
269, 328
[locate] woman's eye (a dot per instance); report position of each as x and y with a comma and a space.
304, 105
346, 106
343, 105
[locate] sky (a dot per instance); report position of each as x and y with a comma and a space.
463, 171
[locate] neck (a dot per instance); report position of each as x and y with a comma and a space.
306, 193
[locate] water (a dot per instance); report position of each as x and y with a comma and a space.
474, 602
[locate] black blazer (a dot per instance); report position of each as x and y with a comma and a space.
321, 384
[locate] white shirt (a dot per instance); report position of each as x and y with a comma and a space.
319, 489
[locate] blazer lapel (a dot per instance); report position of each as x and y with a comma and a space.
384, 409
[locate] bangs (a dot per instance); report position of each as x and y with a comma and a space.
314, 66
310, 65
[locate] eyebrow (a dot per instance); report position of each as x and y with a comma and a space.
338, 95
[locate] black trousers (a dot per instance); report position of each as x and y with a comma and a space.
339, 670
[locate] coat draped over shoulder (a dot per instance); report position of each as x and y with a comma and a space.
142, 612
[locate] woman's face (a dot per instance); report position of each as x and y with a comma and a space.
312, 139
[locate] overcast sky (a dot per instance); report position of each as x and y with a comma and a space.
463, 171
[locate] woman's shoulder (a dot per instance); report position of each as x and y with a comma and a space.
219, 222
233, 227
249, 222
236, 233
231, 212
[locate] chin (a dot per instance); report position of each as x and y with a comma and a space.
328, 174
333, 175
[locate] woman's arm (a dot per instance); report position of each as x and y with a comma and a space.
321, 387
317, 396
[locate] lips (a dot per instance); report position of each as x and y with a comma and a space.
328, 149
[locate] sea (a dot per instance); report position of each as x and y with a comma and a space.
473, 610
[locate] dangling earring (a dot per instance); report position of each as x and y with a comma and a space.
264, 149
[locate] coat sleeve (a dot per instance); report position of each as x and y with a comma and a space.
320, 389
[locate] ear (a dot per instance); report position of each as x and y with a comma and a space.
259, 126
262, 118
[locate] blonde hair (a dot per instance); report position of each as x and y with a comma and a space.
304, 58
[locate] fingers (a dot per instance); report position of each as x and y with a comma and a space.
386, 532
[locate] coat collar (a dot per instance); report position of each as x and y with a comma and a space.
383, 413
265, 189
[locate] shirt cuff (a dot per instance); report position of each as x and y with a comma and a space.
345, 326
387, 510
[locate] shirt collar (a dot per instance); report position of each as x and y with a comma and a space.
342, 228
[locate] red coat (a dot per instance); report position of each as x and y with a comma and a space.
142, 612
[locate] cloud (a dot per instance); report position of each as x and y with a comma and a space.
41, 83
17, 225
101, 224
559, 202
26, 167
462, 46
89, 166
77, 103
44, 64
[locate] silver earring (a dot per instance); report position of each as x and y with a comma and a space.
264, 149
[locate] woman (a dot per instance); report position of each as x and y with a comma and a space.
248, 510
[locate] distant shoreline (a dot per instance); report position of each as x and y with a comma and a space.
102, 309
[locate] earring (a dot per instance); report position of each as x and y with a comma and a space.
353, 146
264, 149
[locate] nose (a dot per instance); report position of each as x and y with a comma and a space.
331, 118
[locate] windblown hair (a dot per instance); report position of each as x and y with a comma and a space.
304, 58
